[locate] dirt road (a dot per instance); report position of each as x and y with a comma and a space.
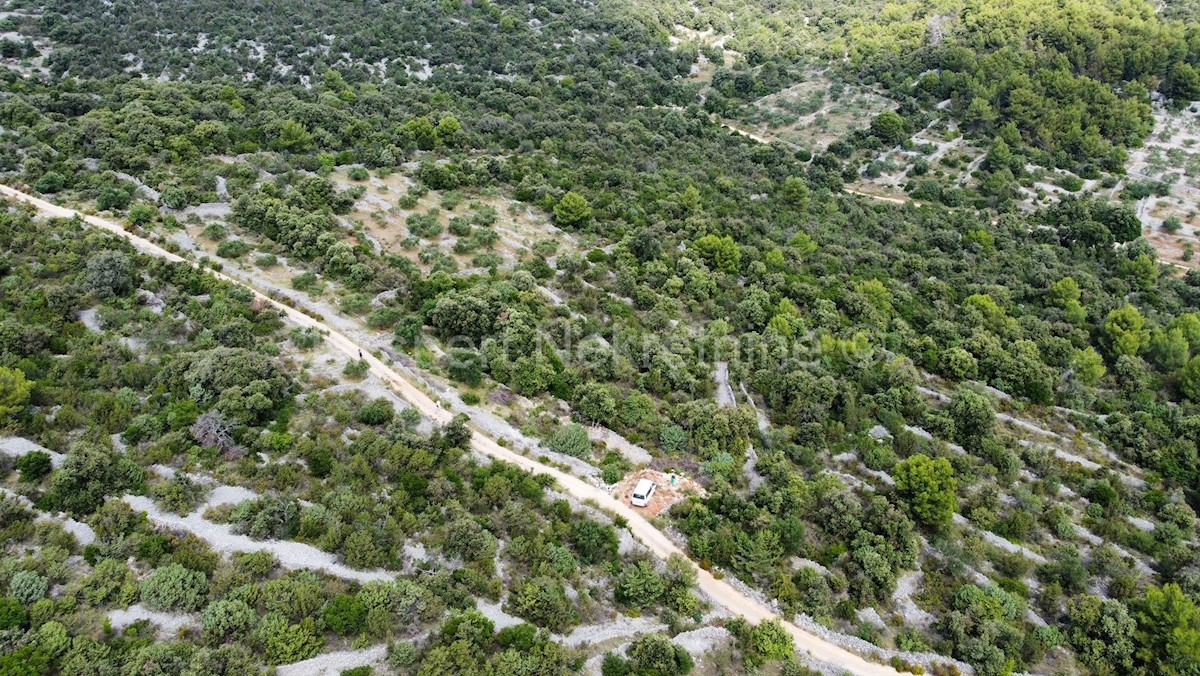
655, 540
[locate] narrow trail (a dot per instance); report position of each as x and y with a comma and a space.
720, 591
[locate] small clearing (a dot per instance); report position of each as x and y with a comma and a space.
671, 489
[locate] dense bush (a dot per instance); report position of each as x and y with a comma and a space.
174, 587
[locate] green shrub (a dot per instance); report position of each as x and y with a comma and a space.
306, 281
174, 587
214, 232
34, 466
356, 368
355, 303
307, 338
571, 440
282, 642
50, 182
233, 248
179, 495
345, 615
27, 586
611, 474
402, 655
451, 200
384, 317
543, 601
142, 214
593, 541
228, 619
879, 456
640, 586
614, 665
378, 412
656, 654
465, 366
12, 614
521, 637
424, 226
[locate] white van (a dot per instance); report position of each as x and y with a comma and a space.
643, 492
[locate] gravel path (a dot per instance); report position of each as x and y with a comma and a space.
933, 394
750, 469
220, 536
1141, 524
18, 446
626, 627
495, 613
150, 192
814, 643
635, 454
906, 586
996, 540
228, 495
763, 423
169, 624
334, 663
83, 533
724, 391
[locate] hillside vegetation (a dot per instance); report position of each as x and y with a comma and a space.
957, 427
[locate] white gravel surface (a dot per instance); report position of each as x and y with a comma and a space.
623, 627
83, 533
871, 616
879, 474
920, 432
169, 624
228, 495
799, 562
724, 391
635, 454
334, 663
495, 612
1088, 536
924, 434
19, 446
89, 319
934, 394
1141, 524
763, 423
699, 641
907, 585
150, 192
217, 210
